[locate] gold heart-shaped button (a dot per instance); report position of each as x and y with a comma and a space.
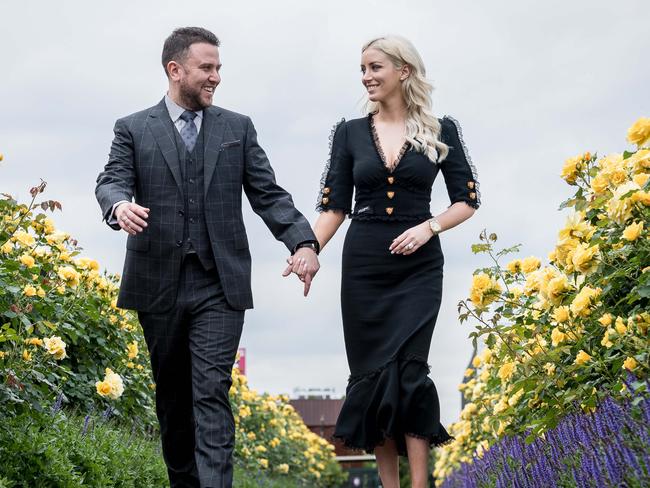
389, 210
390, 194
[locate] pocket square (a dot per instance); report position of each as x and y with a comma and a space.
225, 145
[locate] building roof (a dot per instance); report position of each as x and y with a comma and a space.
318, 411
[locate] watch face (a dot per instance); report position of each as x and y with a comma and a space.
435, 226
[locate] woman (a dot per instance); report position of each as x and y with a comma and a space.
392, 261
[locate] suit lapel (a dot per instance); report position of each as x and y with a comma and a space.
162, 128
213, 127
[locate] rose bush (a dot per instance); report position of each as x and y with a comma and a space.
562, 336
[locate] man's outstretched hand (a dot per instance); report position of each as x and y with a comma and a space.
131, 217
304, 263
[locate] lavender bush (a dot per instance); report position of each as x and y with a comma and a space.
607, 448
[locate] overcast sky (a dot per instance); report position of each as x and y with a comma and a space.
531, 83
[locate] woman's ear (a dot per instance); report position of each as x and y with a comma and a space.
405, 72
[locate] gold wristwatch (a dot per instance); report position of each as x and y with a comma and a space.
435, 227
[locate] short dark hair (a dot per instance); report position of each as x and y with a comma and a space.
179, 42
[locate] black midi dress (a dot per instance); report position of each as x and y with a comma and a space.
390, 302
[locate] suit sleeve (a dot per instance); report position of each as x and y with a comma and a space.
116, 183
337, 183
268, 200
457, 168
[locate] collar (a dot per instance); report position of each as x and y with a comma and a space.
175, 110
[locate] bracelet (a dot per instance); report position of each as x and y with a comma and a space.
311, 244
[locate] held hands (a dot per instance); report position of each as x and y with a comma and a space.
304, 264
411, 240
131, 217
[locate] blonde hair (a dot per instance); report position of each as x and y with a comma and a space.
422, 127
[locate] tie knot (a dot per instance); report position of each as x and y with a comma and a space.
188, 116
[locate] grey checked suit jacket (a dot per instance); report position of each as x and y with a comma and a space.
143, 166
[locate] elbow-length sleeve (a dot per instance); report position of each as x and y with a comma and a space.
337, 183
457, 168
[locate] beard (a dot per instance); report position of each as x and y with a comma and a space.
191, 97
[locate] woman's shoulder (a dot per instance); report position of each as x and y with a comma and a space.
352, 123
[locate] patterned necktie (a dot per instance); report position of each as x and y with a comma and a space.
188, 132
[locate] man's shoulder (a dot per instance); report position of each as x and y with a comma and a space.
229, 114
140, 116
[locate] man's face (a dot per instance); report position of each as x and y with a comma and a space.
197, 75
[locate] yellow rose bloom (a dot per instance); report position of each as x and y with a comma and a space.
23, 238
260, 448
620, 326
103, 388
29, 291
27, 260
69, 275
55, 346
2, 354
606, 320
7, 247
501, 405
642, 197
550, 369
27, 356
599, 183
582, 358
514, 399
507, 370
633, 231
476, 361
557, 337
530, 264
585, 257
639, 133
571, 169
619, 207
283, 468
641, 179
561, 314
556, 287
57, 237
484, 290
630, 364
34, 341
486, 355
130, 365
618, 177
263, 462
514, 266
606, 341
581, 304
132, 350
87, 263
112, 386
60, 289
251, 436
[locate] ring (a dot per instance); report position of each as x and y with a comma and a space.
409, 246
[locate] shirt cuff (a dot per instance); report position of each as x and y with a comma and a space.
111, 219
311, 243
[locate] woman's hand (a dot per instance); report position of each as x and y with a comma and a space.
412, 239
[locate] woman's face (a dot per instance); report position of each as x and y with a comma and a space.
381, 79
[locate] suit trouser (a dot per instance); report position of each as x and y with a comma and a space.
192, 349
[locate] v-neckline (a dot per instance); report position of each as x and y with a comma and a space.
380, 151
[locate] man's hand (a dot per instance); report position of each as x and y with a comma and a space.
131, 217
305, 264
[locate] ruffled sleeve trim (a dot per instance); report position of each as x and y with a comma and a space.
323, 180
477, 202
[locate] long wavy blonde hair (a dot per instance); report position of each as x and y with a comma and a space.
422, 127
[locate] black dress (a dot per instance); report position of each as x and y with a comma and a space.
390, 302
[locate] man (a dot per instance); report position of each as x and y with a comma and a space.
174, 183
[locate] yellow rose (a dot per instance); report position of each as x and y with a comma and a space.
486, 355
561, 314
476, 361
55, 346
580, 306
606, 341
34, 341
40, 292
620, 326
132, 350
27, 260
23, 238
618, 177
571, 169
27, 356
29, 291
263, 462
251, 436
585, 258
514, 266
550, 369
7, 247
2, 354
283, 468
103, 388
630, 364
57, 237
130, 365
642, 197
556, 287
599, 183
582, 358
557, 337
69, 275
484, 290
514, 399
87, 263
641, 179
639, 133
633, 231
619, 207
606, 320
530, 264
507, 370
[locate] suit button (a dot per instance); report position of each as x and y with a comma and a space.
191, 181
192, 220
179, 243
181, 213
191, 200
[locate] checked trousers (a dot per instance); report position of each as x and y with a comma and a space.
192, 349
